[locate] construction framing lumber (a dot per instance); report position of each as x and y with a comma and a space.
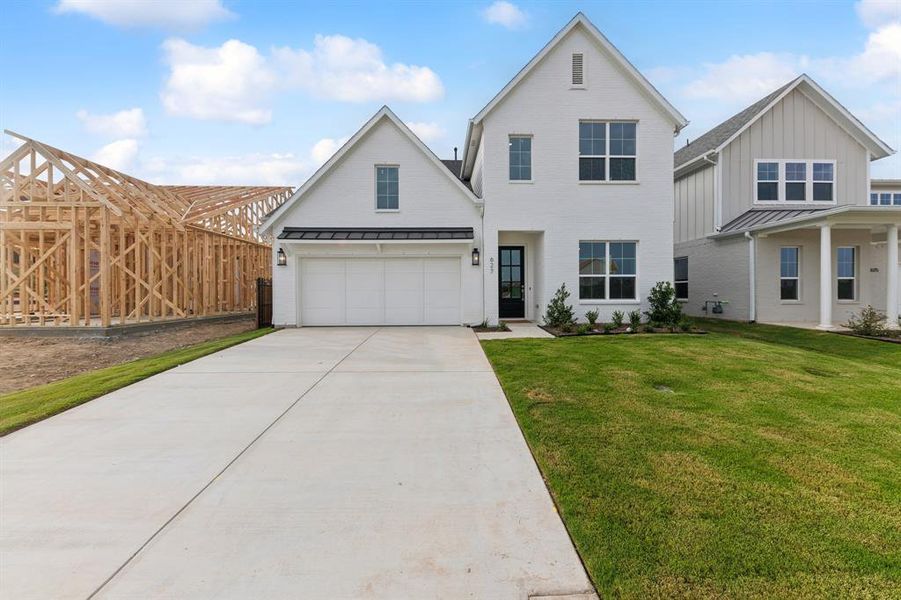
82, 244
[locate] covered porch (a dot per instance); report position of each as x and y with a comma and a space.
823, 267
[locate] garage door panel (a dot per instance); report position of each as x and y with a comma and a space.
442, 291
322, 292
364, 291
376, 291
403, 291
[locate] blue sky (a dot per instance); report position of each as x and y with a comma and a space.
240, 91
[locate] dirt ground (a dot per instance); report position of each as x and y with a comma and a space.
27, 362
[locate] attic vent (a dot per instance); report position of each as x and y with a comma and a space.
578, 71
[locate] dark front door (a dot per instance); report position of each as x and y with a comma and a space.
511, 289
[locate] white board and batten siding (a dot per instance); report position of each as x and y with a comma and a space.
389, 283
695, 205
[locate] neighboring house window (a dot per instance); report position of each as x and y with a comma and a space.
386, 188
897, 199
607, 270
601, 141
874, 199
789, 273
578, 72
847, 273
520, 158
795, 182
885, 198
823, 181
767, 181
680, 268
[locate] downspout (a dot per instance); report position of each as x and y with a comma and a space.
752, 276
482, 262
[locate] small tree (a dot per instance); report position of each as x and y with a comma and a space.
617, 318
869, 322
559, 313
665, 311
634, 320
592, 316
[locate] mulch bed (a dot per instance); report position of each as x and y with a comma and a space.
481, 329
623, 330
892, 339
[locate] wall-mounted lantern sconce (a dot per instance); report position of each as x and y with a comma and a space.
281, 257
475, 257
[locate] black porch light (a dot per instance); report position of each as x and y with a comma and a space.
281, 258
475, 257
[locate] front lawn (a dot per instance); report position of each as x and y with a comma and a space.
752, 462
18, 409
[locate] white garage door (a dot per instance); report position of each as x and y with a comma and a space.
380, 291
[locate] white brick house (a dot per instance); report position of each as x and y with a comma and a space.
566, 177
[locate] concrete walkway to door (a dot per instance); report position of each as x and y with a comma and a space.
310, 463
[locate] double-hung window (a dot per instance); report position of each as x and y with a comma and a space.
608, 151
607, 270
846, 268
790, 273
520, 158
387, 192
680, 270
808, 181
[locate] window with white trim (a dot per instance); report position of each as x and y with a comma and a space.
387, 191
680, 277
790, 273
520, 158
794, 181
846, 273
608, 151
607, 270
891, 198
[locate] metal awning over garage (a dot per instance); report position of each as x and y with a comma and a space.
377, 234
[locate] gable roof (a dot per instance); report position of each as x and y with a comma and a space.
722, 135
580, 20
382, 114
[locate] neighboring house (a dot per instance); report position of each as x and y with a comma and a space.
565, 177
774, 215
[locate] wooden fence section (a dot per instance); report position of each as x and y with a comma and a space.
82, 244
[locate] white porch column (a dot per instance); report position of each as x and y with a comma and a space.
891, 295
825, 276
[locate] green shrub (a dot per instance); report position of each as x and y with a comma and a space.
608, 327
567, 327
869, 322
584, 328
665, 310
618, 318
592, 316
685, 323
559, 313
635, 320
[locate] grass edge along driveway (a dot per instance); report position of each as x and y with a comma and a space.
24, 407
752, 462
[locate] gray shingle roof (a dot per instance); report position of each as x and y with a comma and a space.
765, 216
376, 233
456, 167
722, 132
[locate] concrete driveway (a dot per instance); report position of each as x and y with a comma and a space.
310, 463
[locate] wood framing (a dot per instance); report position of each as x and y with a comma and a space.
83, 244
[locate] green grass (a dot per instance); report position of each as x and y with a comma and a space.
752, 462
18, 409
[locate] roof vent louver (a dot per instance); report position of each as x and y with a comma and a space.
578, 69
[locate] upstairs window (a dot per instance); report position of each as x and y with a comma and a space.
607, 151
885, 198
387, 192
578, 71
823, 174
681, 277
794, 181
520, 158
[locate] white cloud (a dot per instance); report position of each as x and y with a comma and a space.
325, 148
881, 58
181, 14
354, 70
228, 83
875, 13
744, 78
123, 124
505, 14
119, 155
427, 132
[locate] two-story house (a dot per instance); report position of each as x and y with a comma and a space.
565, 177
774, 217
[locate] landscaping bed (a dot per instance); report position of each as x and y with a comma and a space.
610, 329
